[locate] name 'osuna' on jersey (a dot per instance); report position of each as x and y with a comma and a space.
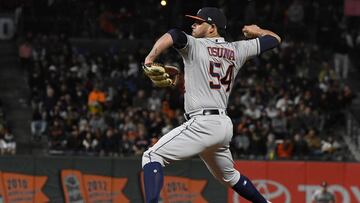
211, 65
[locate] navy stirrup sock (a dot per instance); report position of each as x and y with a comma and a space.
153, 181
246, 189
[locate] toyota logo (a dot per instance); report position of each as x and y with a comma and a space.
270, 189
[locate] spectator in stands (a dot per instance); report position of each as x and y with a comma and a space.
109, 143
326, 75
50, 99
253, 112
295, 123
346, 96
127, 146
258, 141
329, 145
343, 44
141, 143
301, 148
56, 135
25, 55
97, 123
38, 124
154, 102
133, 67
240, 142
7, 143
314, 142
271, 145
90, 143
73, 141
168, 126
271, 111
96, 100
285, 149
140, 100
279, 125
284, 102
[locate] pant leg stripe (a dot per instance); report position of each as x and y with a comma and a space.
150, 156
176, 135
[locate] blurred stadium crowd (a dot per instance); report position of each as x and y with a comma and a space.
286, 104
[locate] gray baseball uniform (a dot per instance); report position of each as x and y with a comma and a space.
211, 65
323, 197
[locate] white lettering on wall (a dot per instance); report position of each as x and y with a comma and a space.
7, 28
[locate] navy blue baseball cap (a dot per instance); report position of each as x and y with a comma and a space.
211, 15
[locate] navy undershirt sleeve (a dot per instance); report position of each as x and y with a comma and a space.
267, 42
179, 38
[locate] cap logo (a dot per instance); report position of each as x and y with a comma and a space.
209, 19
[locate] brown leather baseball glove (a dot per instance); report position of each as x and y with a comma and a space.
162, 75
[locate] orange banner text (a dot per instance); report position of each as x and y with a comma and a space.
21, 188
92, 188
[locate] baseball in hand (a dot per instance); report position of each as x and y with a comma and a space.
247, 35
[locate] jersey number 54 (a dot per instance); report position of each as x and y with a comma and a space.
214, 70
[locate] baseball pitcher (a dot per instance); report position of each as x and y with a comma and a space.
211, 65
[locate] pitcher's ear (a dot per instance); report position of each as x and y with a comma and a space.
213, 27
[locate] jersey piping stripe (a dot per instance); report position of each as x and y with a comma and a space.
174, 137
257, 46
150, 155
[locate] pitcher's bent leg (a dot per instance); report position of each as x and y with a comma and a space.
221, 165
178, 144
